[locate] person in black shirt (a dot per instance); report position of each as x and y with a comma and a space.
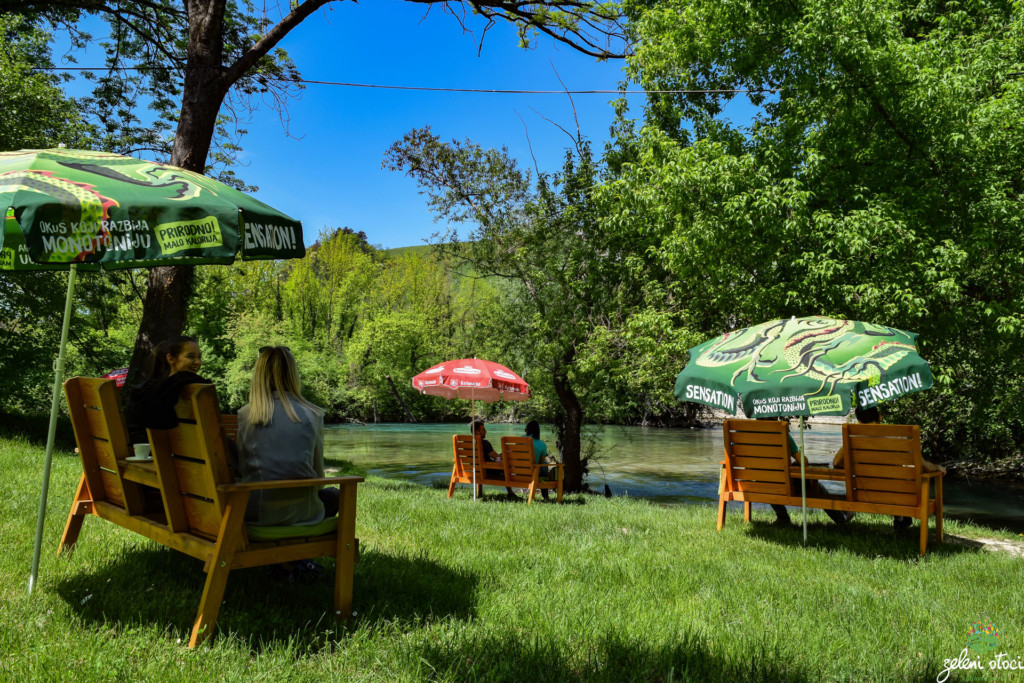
150, 404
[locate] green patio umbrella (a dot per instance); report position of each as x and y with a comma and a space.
803, 366
65, 209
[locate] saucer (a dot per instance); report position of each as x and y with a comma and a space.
136, 458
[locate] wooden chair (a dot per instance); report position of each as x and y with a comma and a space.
468, 466
522, 469
756, 466
95, 408
204, 509
884, 474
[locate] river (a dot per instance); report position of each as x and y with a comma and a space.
664, 466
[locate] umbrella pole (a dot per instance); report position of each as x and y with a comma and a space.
472, 428
803, 477
54, 407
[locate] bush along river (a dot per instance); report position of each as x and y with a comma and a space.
664, 466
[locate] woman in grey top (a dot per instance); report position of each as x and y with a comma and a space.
281, 436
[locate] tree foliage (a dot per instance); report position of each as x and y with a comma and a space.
881, 180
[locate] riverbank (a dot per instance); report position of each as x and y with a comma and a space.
1002, 469
450, 590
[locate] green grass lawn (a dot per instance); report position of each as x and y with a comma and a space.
596, 589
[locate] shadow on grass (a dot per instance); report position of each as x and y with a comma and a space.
613, 657
863, 536
35, 427
495, 494
156, 586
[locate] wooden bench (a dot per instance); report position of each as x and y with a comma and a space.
517, 467
203, 508
884, 473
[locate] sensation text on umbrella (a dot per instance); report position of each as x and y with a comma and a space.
887, 390
719, 398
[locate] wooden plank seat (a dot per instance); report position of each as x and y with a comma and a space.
203, 508
517, 468
884, 473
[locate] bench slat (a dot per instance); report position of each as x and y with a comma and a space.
887, 457
907, 499
755, 474
771, 451
883, 471
763, 487
758, 463
896, 485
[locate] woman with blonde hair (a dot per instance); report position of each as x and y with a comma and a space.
281, 436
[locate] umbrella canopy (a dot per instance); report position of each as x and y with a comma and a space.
803, 366
472, 378
79, 206
119, 376
66, 208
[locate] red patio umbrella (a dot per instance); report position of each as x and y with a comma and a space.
474, 379
119, 376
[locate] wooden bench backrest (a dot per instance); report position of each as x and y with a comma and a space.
757, 456
95, 410
883, 463
191, 461
517, 454
229, 426
462, 445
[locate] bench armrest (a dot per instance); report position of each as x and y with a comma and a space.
286, 483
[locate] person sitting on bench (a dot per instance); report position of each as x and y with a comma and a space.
281, 436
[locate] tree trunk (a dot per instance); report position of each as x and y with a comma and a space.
163, 314
571, 433
394, 390
169, 287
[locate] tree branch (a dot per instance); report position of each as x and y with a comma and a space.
265, 44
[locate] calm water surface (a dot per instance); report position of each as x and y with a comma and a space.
665, 466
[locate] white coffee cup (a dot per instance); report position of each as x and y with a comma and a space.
141, 450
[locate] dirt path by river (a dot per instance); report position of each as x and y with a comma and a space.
993, 545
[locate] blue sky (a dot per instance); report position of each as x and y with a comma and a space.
326, 170
331, 174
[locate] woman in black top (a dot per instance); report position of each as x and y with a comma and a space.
151, 404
